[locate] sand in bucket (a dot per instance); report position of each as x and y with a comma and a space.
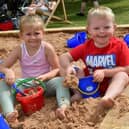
33, 101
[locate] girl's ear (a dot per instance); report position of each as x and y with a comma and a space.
20, 35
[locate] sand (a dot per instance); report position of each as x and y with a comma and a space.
80, 115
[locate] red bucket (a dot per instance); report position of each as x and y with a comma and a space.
31, 103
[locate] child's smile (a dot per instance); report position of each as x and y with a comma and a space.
101, 30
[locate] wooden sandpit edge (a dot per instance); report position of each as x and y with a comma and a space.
56, 30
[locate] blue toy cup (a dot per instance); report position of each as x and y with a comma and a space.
126, 39
82, 36
73, 42
78, 39
88, 88
3, 123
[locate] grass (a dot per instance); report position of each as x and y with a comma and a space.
119, 7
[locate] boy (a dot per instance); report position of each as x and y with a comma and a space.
103, 54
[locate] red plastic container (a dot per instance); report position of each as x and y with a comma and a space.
8, 25
31, 103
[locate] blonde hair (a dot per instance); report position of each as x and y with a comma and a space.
31, 20
102, 12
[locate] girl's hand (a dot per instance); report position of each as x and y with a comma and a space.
98, 75
42, 77
9, 77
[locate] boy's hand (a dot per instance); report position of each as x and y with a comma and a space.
9, 77
71, 70
71, 81
98, 75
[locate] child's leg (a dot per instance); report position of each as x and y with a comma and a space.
77, 96
62, 95
7, 102
117, 85
79, 73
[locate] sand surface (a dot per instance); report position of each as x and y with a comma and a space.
81, 114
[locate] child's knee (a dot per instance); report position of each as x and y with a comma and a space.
56, 80
122, 76
4, 86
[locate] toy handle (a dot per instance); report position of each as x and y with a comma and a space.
17, 90
2, 75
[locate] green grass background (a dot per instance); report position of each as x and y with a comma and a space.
119, 7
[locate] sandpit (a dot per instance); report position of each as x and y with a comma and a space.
79, 114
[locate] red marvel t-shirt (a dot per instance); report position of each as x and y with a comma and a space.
116, 53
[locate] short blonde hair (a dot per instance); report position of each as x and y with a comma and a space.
102, 12
31, 20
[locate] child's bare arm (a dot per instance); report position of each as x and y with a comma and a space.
126, 69
8, 62
12, 57
53, 61
65, 62
113, 71
100, 74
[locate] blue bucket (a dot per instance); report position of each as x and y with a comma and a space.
78, 39
3, 123
88, 88
126, 39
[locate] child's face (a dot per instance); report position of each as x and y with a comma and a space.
32, 36
101, 29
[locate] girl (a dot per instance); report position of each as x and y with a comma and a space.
37, 59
